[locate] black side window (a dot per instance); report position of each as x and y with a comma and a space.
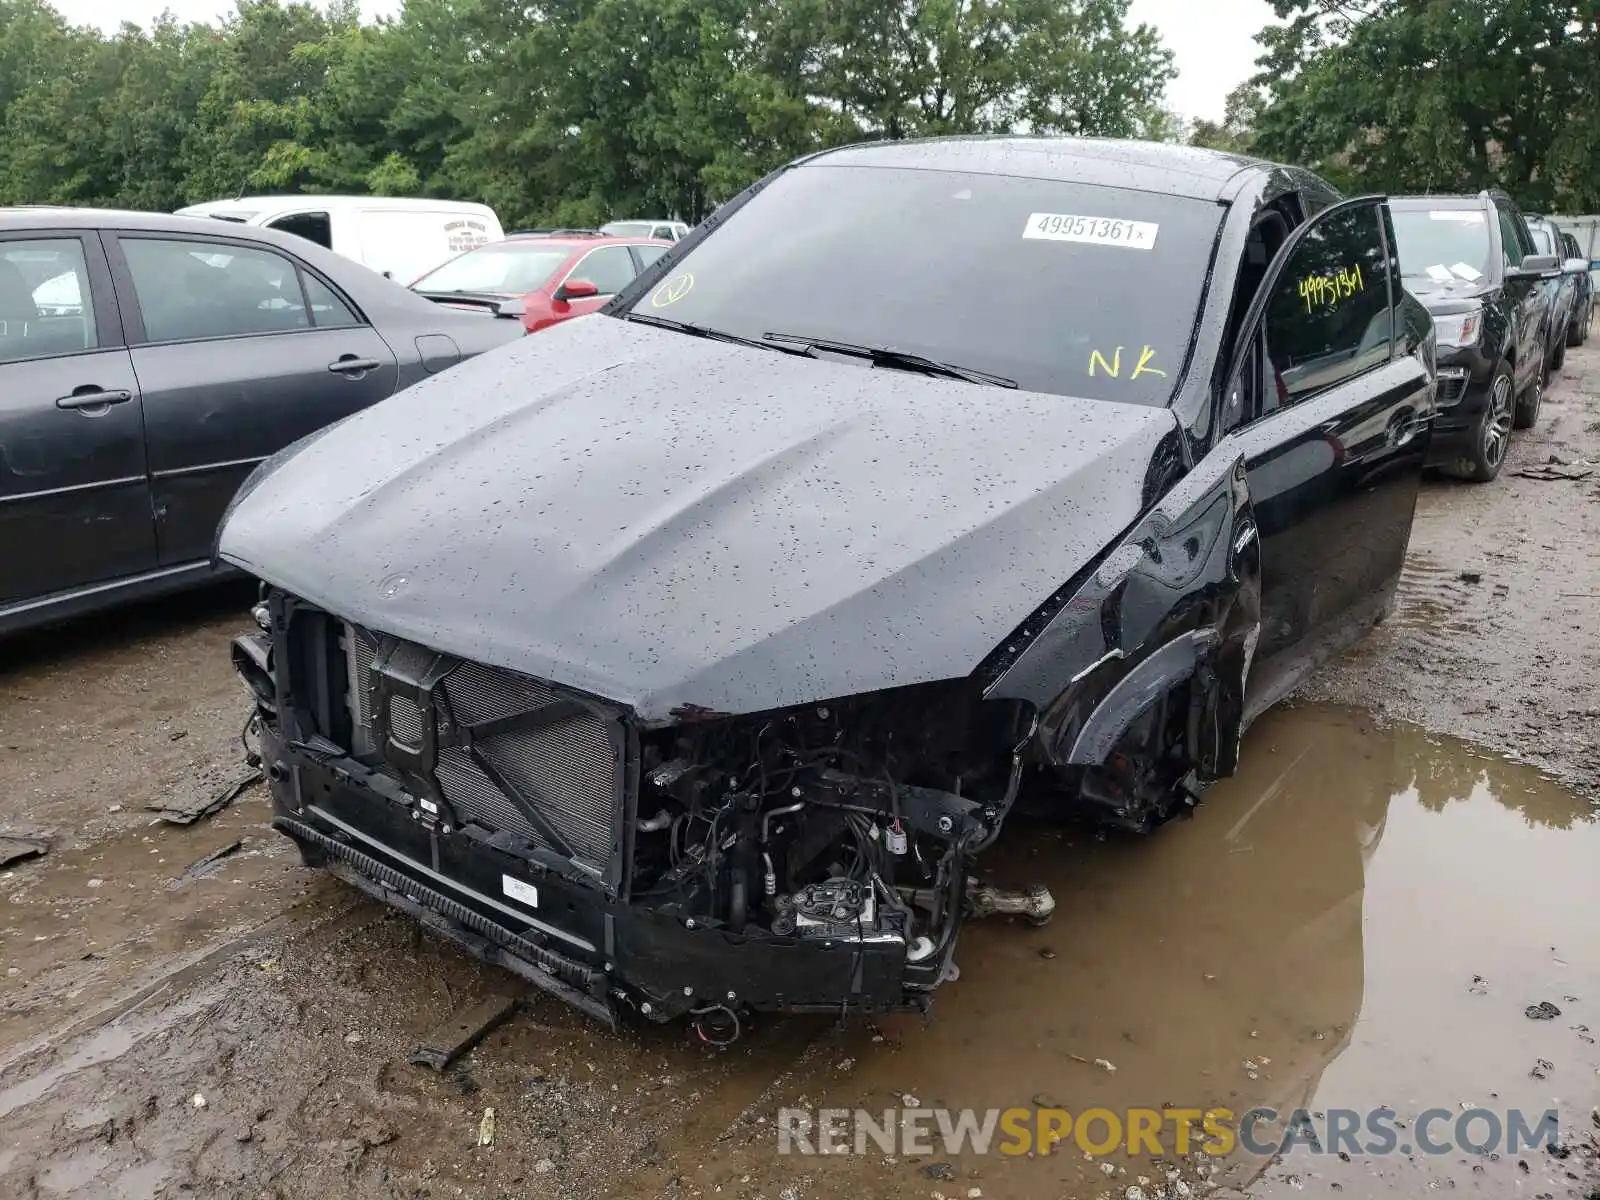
314, 227
1515, 242
1328, 317
189, 290
45, 303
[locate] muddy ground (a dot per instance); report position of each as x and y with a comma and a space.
1405, 862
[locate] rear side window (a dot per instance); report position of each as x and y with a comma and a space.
189, 290
649, 254
328, 311
314, 227
45, 303
1329, 315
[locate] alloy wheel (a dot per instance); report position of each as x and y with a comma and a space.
1497, 421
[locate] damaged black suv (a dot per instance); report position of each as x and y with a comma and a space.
681, 658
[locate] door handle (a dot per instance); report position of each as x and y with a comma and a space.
350, 365
90, 396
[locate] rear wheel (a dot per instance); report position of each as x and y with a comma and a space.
1528, 404
1578, 331
1492, 433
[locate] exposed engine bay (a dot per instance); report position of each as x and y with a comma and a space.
810, 859
849, 821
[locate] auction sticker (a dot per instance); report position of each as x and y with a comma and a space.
522, 893
1095, 231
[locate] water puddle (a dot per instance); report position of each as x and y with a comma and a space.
1359, 919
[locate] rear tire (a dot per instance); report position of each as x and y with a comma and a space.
1491, 436
1528, 405
1578, 331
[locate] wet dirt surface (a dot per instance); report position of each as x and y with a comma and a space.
1496, 635
1361, 916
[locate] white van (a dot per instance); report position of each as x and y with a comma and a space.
398, 237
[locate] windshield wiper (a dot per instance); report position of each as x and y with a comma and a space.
886, 356
705, 331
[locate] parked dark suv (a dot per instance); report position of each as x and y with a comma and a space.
1578, 266
1472, 261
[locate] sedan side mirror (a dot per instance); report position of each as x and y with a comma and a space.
1577, 266
514, 308
1535, 266
576, 289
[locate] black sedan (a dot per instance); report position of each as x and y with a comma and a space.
682, 658
148, 363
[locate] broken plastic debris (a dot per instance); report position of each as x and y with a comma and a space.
1542, 1011
197, 1100
1104, 1064
486, 1128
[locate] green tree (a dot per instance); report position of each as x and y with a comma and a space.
1439, 95
1236, 133
572, 111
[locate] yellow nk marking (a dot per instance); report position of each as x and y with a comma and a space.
1113, 368
1144, 367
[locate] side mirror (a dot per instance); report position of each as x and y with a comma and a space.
1536, 266
576, 289
514, 308
1576, 266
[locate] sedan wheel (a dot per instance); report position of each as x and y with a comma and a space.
1580, 329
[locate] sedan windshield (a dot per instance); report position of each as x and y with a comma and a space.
500, 268
1442, 245
1061, 287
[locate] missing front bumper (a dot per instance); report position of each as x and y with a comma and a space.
485, 939
600, 954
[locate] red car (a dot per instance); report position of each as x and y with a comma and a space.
541, 278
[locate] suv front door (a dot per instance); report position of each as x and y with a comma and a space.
1337, 405
74, 492
240, 350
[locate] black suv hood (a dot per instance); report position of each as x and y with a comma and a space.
669, 521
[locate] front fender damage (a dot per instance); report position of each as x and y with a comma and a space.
1138, 666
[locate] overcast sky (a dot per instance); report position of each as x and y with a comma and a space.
1214, 41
